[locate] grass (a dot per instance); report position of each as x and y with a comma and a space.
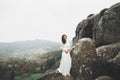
31, 77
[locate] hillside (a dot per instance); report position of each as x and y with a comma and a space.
25, 69
26, 48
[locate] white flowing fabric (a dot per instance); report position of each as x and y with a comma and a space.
65, 63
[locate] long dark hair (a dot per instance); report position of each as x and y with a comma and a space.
63, 39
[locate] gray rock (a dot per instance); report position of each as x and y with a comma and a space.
105, 60
84, 62
108, 51
109, 60
103, 28
52, 75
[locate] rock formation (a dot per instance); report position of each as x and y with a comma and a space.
53, 75
85, 63
103, 28
107, 61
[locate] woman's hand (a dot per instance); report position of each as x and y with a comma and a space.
66, 51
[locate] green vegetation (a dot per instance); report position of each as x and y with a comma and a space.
50, 60
28, 77
23, 69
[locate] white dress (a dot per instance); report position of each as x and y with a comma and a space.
65, 63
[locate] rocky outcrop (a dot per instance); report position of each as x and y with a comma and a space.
53, 75
84, 60
109, 58
103, 28
105, 60
107, 52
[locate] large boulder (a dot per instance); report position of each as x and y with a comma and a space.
107, 52
109, 60
84, 58
103, 28
103, 60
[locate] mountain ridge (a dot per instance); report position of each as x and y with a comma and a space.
27, 47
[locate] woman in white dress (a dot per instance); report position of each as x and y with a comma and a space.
65, 63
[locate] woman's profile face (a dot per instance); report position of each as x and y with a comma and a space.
65, 36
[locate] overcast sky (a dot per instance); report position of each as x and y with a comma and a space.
45, 19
